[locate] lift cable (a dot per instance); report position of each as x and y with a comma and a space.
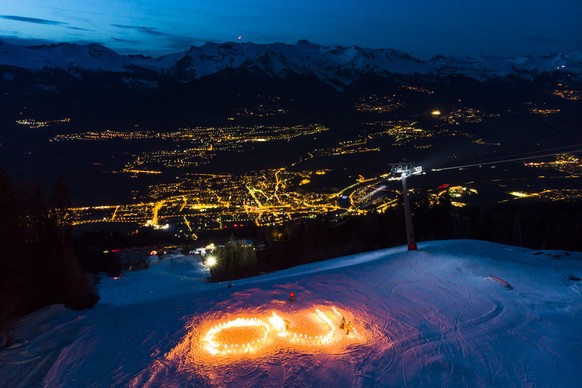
514, 159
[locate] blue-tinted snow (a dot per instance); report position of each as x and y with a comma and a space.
436, 317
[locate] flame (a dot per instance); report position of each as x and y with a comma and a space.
214, 347
224, 339
278, 324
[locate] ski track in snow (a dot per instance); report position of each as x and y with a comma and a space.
433, 317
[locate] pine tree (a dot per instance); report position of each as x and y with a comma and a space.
12, 268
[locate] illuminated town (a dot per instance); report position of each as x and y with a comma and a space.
35, 124
272, 197
378, 104
216, 201
567, 93
534, 109
567, 164
187, 193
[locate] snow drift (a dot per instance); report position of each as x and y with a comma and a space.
456, 313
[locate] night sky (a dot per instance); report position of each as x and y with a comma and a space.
423, 28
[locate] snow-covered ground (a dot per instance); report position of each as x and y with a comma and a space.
335, 65
453, 313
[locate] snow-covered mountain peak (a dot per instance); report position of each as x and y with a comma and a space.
334, 65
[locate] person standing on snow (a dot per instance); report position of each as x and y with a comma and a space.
348, 327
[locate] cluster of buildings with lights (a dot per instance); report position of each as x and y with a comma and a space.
271, 197
191, 201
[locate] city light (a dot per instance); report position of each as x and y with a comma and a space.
211, 261
196, 201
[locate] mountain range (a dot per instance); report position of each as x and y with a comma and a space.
485, 106
337, 66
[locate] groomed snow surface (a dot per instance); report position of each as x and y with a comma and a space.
453, 313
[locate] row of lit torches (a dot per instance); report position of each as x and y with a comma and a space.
275, 323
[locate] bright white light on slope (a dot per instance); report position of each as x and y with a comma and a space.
211, 261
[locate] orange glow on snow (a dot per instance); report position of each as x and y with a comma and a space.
251, 335
225, 338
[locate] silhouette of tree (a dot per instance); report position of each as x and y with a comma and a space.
37, 264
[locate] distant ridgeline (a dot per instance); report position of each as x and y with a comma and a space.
336, 66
